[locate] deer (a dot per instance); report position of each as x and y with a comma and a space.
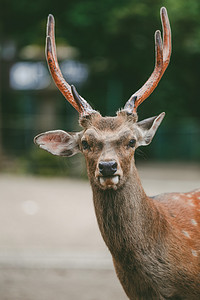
154, 241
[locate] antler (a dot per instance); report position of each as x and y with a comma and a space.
69, 92
163, 52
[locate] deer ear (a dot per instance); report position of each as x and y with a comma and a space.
148, 128
58, 142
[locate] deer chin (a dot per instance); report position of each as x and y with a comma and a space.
109, 182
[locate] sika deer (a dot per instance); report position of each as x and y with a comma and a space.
154, 242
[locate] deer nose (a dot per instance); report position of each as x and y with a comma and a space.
108, 168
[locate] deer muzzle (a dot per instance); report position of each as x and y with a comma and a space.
108, 168
107, 174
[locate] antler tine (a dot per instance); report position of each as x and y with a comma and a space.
78, 103
163, 52
167, 46
51, 34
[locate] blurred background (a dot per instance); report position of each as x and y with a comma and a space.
50, 245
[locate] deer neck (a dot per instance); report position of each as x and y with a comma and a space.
127, 218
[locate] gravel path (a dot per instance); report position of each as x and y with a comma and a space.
50, 245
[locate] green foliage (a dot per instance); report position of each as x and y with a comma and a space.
116, 39
42, 163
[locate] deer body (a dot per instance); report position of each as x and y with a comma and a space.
152, 254
154, 241
152, 258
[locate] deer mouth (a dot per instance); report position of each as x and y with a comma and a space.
109, 181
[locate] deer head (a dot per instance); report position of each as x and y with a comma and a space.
108, 143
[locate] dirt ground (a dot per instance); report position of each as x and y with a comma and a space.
50, 245
59, 284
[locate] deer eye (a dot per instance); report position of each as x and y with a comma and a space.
132, 143
85, 145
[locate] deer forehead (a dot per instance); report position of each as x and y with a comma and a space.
111, 129
108, 136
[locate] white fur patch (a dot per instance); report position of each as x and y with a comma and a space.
186, 234
191, 203
193, 222
194, 253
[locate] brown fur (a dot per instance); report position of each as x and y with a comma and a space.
154, 242
152, 257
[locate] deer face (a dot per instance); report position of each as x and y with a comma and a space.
108, 144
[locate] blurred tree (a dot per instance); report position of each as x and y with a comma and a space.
116, 39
